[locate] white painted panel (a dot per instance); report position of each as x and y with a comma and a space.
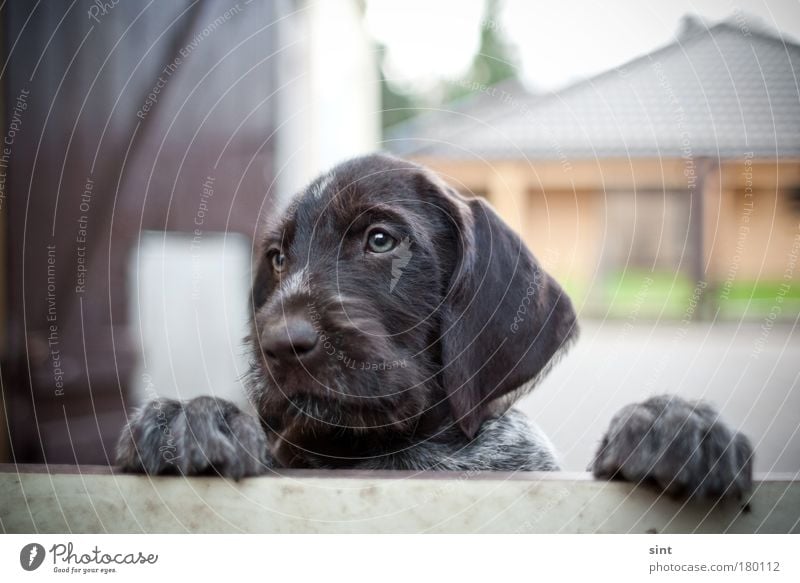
394, 502
189, 313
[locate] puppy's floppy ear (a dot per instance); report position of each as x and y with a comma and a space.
503, 320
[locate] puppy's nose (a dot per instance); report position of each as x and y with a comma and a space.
292, 338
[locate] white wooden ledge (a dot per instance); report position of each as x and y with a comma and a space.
63, 499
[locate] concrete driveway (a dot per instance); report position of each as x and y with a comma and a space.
752, 374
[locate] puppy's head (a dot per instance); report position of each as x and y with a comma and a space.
382, 296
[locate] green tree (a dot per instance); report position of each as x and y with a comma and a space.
496, 59
396, 106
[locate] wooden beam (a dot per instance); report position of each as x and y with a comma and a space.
98, 500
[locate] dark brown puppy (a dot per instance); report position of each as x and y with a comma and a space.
394, 323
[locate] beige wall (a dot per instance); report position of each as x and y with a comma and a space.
563, 230
560, 208
757, 227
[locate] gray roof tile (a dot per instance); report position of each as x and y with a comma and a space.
717, 93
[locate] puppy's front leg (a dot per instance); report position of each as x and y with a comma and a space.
684, 448
205, 435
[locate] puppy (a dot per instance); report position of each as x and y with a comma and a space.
394, 325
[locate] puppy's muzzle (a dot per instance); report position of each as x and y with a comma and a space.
289, 339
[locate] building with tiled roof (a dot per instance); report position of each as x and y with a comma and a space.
683, 163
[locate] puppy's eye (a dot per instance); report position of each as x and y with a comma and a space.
379, 241
278, 261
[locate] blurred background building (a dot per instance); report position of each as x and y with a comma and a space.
656, 169
651, 161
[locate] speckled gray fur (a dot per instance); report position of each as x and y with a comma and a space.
467, 327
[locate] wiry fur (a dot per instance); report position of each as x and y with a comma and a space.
412, 358
684, 448
204, 435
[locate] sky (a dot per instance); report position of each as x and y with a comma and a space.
558, 41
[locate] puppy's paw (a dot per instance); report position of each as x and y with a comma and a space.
202, 436
684, 448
